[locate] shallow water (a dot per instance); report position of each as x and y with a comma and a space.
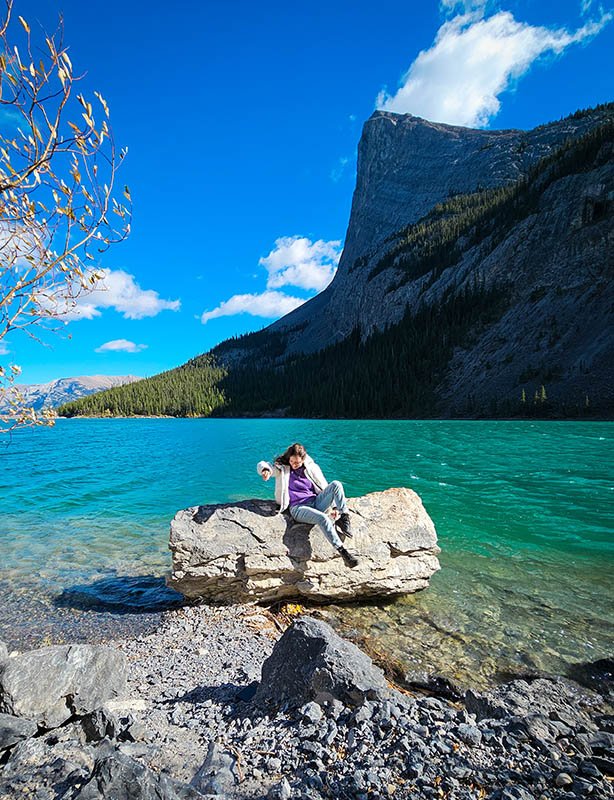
523, 512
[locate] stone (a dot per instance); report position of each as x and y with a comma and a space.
246, 551
218, 773
45, 768
433, 684
99, 724
280, 791
4, 651
516, 793
14, 729
247, 692
563, 779
597, 675
52, 684
120, 777
469, 734
549, 698
312, 663
312, 712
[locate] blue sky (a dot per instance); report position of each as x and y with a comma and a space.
242, 121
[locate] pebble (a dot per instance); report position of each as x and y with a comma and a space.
563, 779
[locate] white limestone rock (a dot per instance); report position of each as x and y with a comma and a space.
244, 551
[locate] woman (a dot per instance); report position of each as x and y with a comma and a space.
301, 487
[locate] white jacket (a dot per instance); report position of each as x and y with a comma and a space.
281, 473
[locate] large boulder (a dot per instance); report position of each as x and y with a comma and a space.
237, 552
312, 663
51, 684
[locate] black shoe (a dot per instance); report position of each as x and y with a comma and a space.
344, 525
348, 559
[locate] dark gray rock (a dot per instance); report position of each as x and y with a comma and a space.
280, 791
119, 777
432, 684
311, 662
218, 774
516, 793
14, 729
556, 698
596, 675
604, 765
602, 743
48, 767
469, 734
100, 724
51, 684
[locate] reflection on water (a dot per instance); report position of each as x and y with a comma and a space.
523, 512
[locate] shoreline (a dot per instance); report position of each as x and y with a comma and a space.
189, 715
536, 418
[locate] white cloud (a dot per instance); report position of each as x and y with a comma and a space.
268, 304
472, 61
4, 350
586, 6
120, 291
120, 346
297, 261
449, 7
337, 171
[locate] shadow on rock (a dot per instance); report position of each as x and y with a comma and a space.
121, 594
263, 508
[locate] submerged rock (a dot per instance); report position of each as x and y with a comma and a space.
312, 663
247, 551
51, 684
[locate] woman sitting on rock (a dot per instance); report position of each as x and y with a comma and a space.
301, 487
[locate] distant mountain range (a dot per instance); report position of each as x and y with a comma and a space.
476, 280
64, 390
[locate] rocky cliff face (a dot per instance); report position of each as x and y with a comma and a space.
555, 262
406, 165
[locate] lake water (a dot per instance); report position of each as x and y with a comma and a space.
523, 512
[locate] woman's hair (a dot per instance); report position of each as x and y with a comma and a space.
295, 449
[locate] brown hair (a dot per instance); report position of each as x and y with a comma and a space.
295, 449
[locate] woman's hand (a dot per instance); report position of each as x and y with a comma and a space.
266, 474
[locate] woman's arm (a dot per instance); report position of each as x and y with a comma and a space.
266, 470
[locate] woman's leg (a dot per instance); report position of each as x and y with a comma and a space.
332, 494
312, 516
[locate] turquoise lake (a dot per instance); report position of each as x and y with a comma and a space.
523, 512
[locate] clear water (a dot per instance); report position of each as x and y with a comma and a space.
523, 511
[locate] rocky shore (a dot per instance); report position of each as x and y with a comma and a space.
229, 702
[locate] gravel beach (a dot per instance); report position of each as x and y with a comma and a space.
187, 680
202, 718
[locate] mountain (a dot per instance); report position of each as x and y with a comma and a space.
64, 390
476, 280
406, 166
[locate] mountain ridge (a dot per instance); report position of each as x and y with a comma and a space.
56, 392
